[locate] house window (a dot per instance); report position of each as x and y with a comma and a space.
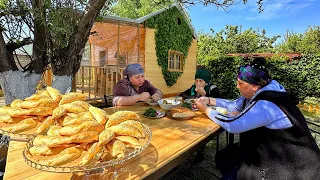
175, 61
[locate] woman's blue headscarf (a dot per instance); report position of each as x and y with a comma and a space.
133, 69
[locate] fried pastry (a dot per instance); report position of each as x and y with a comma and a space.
121, 116
50, 141
73, 108
58, 112
70, 97
126, 130
14, 112
23, 125
66, 156
84, 137
87, 115
116, 148
43, 102
75, 121
105, 136
54, 94
129, 141
37, 97
137, 125
45, 150
73, 115
85, 126
91, 154
5, 118
99, 115
46, 123
54, 130
40, 111
16, 103
83, 104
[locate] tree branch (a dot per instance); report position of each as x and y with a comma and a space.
11, 46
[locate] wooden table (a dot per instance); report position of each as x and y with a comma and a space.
172, 142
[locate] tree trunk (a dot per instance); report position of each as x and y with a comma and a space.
62, 83
18, 84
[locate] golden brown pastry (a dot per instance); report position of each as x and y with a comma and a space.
5, 118
83, 104
137, 125
181, 112
73, 108
14, 112
126, 130
99, 115
54, 94
129, 141
75, 121
23, 125
66, 156
58, 112
87, 115
40, 111
85, 126
120, 116
70, 97
45, 150
84, 137
46, 123
91, 155
36, 97
73, 115
116, 148
43, 102
50, 141
54, 130
16, 103
105, 136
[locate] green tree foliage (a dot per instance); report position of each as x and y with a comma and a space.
233, 40
306, 43
134, 9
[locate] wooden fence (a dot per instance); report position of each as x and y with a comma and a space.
97, 81
93, 81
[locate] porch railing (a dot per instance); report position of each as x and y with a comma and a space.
97, 81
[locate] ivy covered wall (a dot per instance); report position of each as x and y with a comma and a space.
172, 33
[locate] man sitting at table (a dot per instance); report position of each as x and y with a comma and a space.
134, 87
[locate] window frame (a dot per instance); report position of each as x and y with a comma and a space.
175, 53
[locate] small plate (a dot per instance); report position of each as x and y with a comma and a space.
160, 114
152, 104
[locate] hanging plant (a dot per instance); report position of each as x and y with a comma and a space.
172, 33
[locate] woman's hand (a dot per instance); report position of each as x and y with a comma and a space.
201, 105
200, 90
156, 96
144, 96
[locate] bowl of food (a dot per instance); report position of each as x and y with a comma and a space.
167, 104
152, 102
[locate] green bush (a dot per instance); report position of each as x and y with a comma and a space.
301, 77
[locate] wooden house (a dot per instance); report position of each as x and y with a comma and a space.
163, 42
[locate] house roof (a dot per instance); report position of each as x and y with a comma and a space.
144, 18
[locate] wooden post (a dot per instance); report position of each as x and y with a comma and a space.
139, 38
118, 50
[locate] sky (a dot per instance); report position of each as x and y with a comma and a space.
278, 16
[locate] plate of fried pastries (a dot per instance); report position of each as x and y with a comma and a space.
89, 145
23, 119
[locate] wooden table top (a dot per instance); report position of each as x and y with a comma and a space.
171, 140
